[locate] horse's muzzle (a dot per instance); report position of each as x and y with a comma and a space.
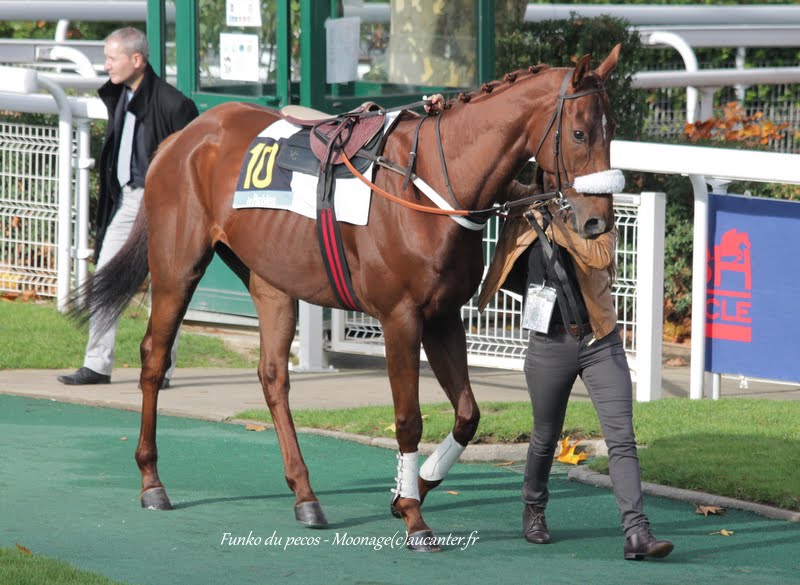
591, 227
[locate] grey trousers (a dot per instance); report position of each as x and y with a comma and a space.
99, 355
552, 364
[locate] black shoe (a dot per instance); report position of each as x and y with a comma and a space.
534, 525
83, 377
164, 385
643, 544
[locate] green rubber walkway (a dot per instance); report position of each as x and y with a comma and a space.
69, 488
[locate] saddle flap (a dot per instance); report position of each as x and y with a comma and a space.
297, 156
355, 130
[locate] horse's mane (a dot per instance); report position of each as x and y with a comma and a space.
590, 80
498, 85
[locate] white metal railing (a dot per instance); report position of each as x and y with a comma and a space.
710, 80
18, 89
495, 337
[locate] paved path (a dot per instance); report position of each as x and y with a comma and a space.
218, 394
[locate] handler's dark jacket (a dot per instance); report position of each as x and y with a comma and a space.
160, 110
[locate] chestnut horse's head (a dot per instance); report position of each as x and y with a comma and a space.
574, 150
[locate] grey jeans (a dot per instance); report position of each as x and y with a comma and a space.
552, 364
99, 355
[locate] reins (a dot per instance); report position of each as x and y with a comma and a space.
496, 210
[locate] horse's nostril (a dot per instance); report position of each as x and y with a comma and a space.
594, 226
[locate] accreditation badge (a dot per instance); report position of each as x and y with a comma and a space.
539, 304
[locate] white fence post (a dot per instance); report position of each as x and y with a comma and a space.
650, 296
64, 188
700, 247
312, 355
83, 164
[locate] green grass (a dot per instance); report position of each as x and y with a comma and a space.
17, 568
739, 448
37, 336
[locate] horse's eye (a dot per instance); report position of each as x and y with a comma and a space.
579, 135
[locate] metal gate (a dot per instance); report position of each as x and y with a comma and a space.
28, 208
494, 337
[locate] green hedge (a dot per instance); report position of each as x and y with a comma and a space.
559, 42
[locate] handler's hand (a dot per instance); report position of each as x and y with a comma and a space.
536, 214
434, 104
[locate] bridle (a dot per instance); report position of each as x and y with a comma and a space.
478, 218
556, 120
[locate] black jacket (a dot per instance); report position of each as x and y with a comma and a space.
161, 110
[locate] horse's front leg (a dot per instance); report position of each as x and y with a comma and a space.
445, 346
402, 334
277, 318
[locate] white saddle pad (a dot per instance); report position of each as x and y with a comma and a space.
263, 184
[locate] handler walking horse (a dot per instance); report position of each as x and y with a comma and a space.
411, 270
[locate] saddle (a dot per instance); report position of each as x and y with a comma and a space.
324, 138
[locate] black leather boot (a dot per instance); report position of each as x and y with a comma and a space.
534, 525
83, 377
643, 544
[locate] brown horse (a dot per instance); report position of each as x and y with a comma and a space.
410, 270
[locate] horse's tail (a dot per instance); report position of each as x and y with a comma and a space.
104, 296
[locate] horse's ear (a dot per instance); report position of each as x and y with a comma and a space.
581, 69
606, 67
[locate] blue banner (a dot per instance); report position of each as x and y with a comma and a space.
753, 288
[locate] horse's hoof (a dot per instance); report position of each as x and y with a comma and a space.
310, 514
155, 499
393, 509
423, 541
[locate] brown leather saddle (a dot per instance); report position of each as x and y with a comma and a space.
328, 137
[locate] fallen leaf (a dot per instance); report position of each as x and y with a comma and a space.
723, 532
452, 493
676, 362
252, 427
29, 295
391, 427
23, 550
15, 221
504, 464
568, 454
706, 510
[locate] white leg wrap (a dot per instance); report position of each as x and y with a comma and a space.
407, 472
438, 465
611, 181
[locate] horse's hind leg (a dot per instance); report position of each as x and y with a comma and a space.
277, 318
174, 276
445, 346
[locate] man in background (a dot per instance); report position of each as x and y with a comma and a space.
143, 110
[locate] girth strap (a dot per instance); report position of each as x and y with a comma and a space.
330, 239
